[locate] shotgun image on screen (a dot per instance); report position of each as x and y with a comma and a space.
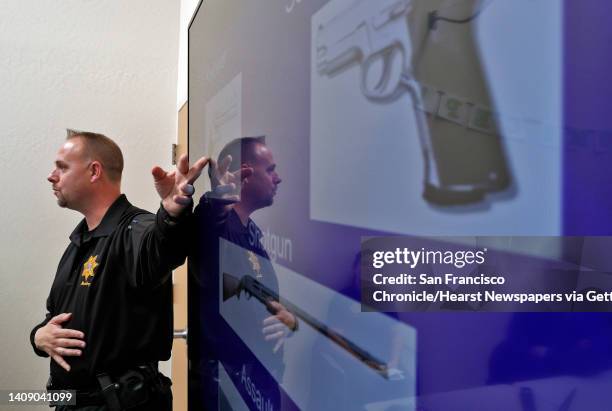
233, 286
375, 35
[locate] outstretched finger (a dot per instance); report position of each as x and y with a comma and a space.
69, 352
224, 165
69, 333
279, 344
58, 359
273, 319
158, 173
183, 164
274, 336
269, 329
195, 171
70, 342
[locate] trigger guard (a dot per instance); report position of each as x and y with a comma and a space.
387, 88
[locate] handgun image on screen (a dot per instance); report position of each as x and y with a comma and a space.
462, 151
232, 286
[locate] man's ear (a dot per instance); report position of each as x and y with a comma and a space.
95, 170
245, 176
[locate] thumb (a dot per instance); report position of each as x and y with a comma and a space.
276, 305
158, 173
61, 318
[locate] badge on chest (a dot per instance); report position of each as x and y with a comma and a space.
89, 269
255, 264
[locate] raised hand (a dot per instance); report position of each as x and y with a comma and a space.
59, 342
175, 188
225, 183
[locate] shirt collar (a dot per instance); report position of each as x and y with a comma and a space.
107, 225
237, 222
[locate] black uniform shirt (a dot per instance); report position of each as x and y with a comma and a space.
224, 242
116, 282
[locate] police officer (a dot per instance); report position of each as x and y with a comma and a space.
109, 312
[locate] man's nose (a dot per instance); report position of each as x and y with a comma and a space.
278, 180
52, 177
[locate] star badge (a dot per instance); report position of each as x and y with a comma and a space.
255, 264
88, 270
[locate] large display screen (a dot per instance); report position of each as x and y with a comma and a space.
421, 118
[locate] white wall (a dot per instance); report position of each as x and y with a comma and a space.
188, 7
106, 66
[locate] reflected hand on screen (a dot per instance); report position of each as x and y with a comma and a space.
225, 183
277, 327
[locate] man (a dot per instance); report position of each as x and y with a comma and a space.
243, 181
109, 317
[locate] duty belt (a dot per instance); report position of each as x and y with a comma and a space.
125, 390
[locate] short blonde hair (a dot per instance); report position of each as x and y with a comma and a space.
103, 149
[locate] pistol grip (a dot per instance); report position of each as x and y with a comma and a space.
387, 85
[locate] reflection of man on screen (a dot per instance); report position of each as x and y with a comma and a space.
243, 181
259, 181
